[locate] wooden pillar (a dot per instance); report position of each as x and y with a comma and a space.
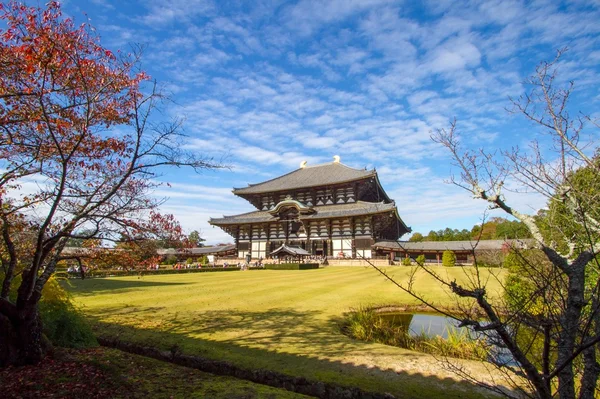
329, 232
353, 239
268, 243
307, 231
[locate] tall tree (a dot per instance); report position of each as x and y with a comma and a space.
61, 95
572, 326
552, 332
195, 239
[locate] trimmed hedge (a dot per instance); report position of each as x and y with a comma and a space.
291, 266
120, 273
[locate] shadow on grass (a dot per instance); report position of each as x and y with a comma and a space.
287, 341
94, 286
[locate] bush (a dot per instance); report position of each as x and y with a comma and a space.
420, 259
406, 262
171, 260
449, 259
291, 266
64, 325
189, 261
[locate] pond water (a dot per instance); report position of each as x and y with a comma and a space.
418, 323
437, 325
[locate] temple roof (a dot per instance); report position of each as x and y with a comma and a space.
196, 251
309, 176
354, 209
295, 251
321, 212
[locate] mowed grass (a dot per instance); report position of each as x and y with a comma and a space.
280, 320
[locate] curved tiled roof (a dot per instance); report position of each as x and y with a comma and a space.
196, 251
309, 176
250, 217
354, 209
321, 212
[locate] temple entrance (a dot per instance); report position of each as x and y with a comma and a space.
320, 247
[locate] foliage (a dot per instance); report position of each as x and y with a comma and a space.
291, 266
62, 96
448, 259
189, 261
420, 259
495, 229
416, 237
204, 260
64, 324
366, 324
170, 260
195, 239
406, 262
551, 321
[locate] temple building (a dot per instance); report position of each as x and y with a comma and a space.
326, 210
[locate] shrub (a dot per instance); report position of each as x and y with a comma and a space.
406, 262
64, 325
449, 259
171, 260
204, 260
420, 259
189, 261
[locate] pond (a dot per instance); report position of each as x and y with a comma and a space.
418, 323
432, 325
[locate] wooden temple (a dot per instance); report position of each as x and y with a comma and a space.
327, 210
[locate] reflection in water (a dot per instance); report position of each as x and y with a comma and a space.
421, 323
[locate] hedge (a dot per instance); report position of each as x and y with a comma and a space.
119, 273
291, 266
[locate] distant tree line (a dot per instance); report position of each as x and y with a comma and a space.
495, 229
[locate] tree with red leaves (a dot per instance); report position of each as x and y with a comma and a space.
61, 97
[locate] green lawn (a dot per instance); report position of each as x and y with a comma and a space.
108, 373
280, 320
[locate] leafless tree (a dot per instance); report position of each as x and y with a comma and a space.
553, 333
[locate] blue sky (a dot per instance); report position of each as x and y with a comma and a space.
268, 84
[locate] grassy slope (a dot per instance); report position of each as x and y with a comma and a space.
280, 320
108, 373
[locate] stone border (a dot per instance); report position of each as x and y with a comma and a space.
300, 385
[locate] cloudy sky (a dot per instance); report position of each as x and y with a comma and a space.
266, 84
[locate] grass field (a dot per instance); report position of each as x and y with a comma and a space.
280, 320
100, 373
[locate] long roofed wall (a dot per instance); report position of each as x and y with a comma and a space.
328, 209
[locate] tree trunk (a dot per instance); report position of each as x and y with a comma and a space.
21, 339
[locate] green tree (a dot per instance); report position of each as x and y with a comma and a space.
416, 237
195, 239
449, 258
433, 236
